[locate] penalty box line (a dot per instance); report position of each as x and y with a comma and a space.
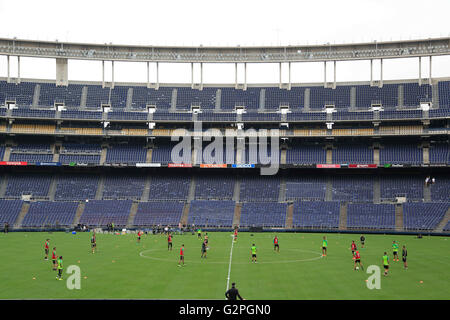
229, 265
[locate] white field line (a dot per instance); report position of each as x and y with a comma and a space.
229, 265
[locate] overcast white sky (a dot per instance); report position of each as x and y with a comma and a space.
230, 22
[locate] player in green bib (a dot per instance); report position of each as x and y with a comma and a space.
385, 263
324, 246
395, 250
253, 249
199, 233
60, 268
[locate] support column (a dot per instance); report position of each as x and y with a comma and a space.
245, 75
148, 74
235, 75
381, 73
157, 75
280, 75
324, 74
8, 69
371, 72
420, 71
289, 68
430, 69
103, 73
201, 75
18, 69
192, 75
334, 80
112, 74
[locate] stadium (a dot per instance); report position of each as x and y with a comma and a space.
350, 158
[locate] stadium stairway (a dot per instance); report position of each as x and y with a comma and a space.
7, 154
148, 158
289, 216
237, 214
37, 93
3, 186
79, 213
426, 193
184, 217
103, 155
101, 184
398, 217
343, 216
146, 192
133, 210
237, 190
83, 100
22, 214
444, 221
52, 188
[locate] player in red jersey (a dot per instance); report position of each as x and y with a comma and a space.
357, 260
47, 242
139, 234
353, 249
54, 259
181, 255
169, 242
235, 234
276, 246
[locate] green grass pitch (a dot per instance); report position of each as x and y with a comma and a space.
123, 269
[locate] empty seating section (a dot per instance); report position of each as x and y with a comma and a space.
32, 128
123, 187
211, 213
440, 190
339, 97
316, 214
77, 114
97, 96
9, 211
214, 188
33, 113
413, 94
102, 212
402, 186
352, 153
231, 98
50, 214
31, 153
370, 216
440, 153
80, 153
401, 153
33, 184
307, 188
162, 213
444, 94
401, 129
366, 96
352, 188
163, 154
276, 97
50, 94
119, 97
187, 97
21, 93
76, 186
263, 214
306, 154
143, 96
169, 188
423, 216
126, 154
261, 188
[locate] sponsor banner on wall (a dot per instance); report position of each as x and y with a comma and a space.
13, 163
243, 165
148, 165
328, 166
179, 165
362, 165
48, 163
213, 165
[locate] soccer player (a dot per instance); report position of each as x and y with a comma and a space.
353, 249
253, 249
60, 268
276, 246
235, 234
386, 263
181, 255
358, 260
93, 243
54, 259
139, 236
395, 250
206, 238
324, 246
233, 293
404, 256
203, 249
199, 233
47, 242
362, 239
169, 242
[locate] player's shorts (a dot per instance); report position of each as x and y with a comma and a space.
54, 261
358, 261
386, 267
169, 244
181, 257
139, 238
253, 255
204, 250
94, 245
404, 259
395, 253
277, 245
362, 242
46, 251
324, 248
206, 241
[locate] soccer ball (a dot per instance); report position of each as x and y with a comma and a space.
357, 268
